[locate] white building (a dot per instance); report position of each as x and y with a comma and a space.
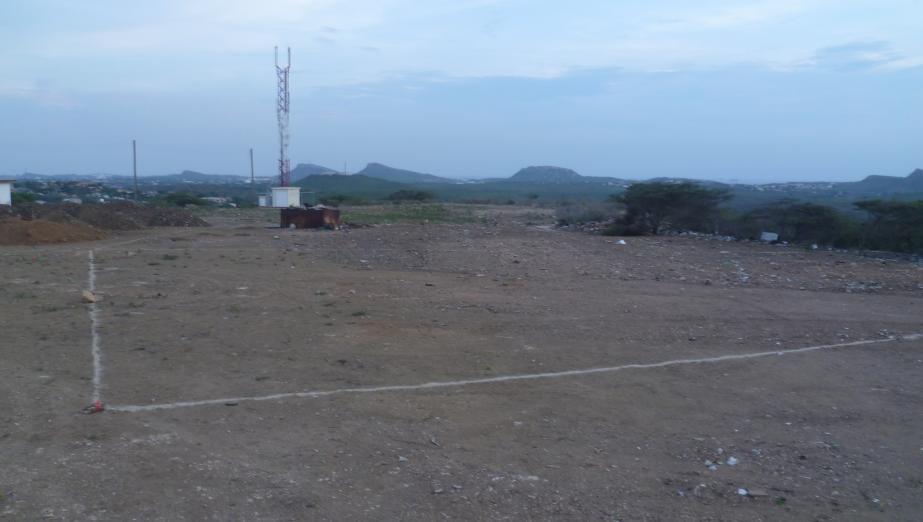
285, 197
6, 192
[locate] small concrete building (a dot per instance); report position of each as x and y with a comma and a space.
6, 191
286, 197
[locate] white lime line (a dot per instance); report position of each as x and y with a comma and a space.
500, 379
94, 332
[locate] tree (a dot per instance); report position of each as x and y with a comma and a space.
801, 222
893, 225
652, 207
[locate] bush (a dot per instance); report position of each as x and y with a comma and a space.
335, 200
412, 195
653, 207
622, 229
577, 213
800, 222
179, 199
19, 198
893, 225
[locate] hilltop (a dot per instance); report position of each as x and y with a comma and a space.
377, 170
358, 185
546, 174
303, 170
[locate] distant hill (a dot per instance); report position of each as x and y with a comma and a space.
546, 174
353, 185
191, 176
303, 170
32, 176
377, 170
881, 185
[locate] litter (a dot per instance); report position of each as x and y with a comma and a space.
96, 407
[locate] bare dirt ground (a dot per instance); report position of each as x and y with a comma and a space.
238, 311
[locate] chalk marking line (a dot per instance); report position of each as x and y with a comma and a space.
499, 379
94, 330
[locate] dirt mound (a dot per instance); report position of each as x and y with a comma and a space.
14, 231
113, 216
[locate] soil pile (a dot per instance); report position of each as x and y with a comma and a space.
14, 231
113, 216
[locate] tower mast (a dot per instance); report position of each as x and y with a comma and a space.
283, 74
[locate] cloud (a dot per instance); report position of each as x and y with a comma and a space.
856, 56
43, 96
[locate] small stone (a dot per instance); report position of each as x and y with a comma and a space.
89, 297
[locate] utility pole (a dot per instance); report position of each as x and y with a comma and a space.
251, 168
134, 165
252, 179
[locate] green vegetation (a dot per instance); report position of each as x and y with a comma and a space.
179, 199
336, 200
19, 198
798, 222
893, 225
355, 186
656, 207
408, 213
412, 195
650, 207
585, 212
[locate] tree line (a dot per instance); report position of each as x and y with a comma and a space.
655, 207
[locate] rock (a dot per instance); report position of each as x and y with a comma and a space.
743, 492
89, 297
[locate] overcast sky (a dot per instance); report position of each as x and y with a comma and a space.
761, 90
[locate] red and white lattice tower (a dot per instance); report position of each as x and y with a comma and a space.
283, 74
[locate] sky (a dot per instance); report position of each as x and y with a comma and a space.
751, 91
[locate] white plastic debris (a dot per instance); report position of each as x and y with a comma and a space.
742, 492
621, 242
732, 461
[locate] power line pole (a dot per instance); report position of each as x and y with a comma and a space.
134, 165
252, 179
251, 168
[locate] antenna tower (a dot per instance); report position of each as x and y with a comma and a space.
282, 111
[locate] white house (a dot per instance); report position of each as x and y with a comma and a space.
6, 192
